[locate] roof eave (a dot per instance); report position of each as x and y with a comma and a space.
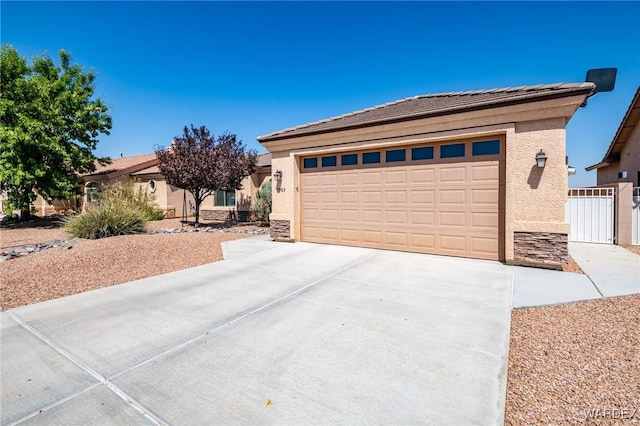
547, 96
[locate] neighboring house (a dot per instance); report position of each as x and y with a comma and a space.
620, 169
451, 173
621, 162
175, 202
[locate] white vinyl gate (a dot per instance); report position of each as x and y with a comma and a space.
635, 217
589, 211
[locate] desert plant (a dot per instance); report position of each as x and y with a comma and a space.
106, 219
262, 204
119, 209
126, 193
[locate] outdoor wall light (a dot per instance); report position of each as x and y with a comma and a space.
541, 159
277, 176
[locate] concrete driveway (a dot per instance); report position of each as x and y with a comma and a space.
276, 333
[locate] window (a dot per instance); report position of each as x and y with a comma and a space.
329, 161
310, 163
450, 151
485, 148
92, 189
152, 185
224, 198
371, 157
349, 159
395, 155
422, 153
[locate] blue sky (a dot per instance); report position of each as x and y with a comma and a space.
253, 68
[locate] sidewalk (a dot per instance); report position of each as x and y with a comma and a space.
609, 271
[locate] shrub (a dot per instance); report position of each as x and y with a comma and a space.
119, 209
262, 204
107, 219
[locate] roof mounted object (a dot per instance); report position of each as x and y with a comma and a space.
603, 78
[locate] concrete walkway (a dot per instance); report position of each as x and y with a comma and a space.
609, 271
276, 333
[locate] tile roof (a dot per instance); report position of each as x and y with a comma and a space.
123, 163
433, 105
627, 126
147, 171
264, 160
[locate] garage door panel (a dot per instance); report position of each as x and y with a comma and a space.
329, 234
371, 236
396, 239
348, 178
423, 242
442, 208
349, 216
371, 178
452, 174
396, 177
425, 176
349, 236
423, 218
371, 197
396, 197
485, 173
453, 196
424, 197
453, 243
484, 196
487, 220
347, 197
453, 218
398, 217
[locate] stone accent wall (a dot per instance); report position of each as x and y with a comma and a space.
226, 215
544, 249
280, 229
219, 215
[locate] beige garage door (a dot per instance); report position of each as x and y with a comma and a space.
441, 200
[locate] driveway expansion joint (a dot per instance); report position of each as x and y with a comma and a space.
101, 379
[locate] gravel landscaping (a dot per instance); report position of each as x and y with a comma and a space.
567, 364
566, 361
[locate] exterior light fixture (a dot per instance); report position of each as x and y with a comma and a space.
277, 176
541, 159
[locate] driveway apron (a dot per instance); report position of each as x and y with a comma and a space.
276, 333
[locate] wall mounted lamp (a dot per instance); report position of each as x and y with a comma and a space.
277, 176
541, 159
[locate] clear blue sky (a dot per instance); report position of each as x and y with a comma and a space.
253, 68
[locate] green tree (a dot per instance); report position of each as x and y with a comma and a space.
49, 125
262, 204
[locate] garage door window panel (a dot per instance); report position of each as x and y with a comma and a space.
310, 163
371, 157
456, 150
330, 161
349, 160
395, 155
485, 148
422, 153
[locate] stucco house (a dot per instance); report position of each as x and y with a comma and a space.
479, 174
223, 205
621, 162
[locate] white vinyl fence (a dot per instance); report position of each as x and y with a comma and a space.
635, 217
589, 211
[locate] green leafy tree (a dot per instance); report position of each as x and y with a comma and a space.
202, 164
49, 125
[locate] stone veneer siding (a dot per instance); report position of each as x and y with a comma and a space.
280, 229
540, 248
226, 215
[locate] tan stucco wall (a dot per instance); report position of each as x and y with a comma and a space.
534, 200
629, 161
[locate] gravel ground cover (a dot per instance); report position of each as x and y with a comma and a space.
569, 364
634, 249
82, 265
